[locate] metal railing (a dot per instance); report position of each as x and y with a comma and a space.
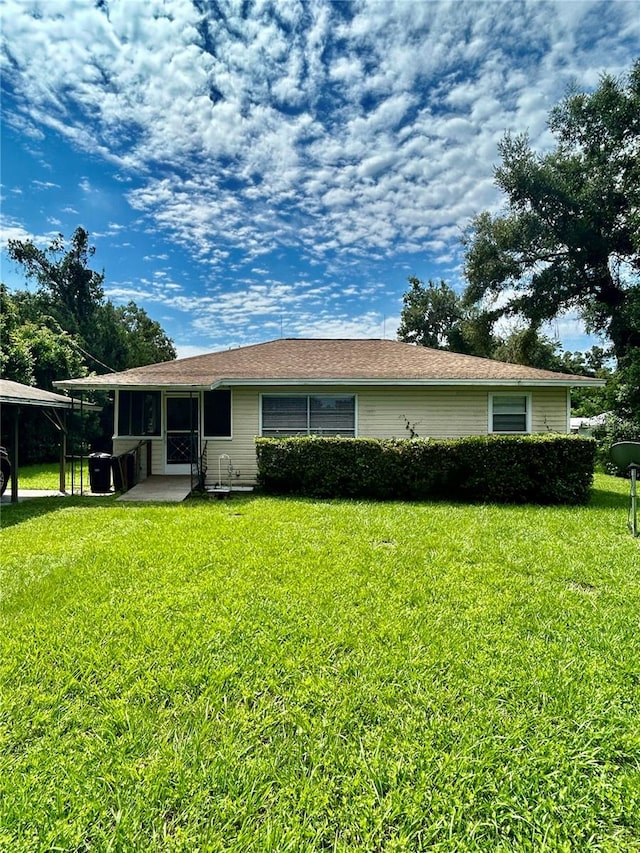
198, 476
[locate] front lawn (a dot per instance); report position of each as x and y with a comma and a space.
267, 674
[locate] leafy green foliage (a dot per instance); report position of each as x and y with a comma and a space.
613, 430
511, 469
430, 314
64, 277
68, 329
434, 315
569, 236
34, 349
39, 353
71, 297
293, 675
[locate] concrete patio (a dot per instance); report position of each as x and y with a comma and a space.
169, 489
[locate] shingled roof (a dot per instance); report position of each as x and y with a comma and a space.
17, 394
327, 361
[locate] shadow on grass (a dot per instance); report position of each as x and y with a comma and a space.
12, 514
606, 499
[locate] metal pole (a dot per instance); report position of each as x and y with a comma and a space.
14, 456
63, 452
634, 500
81, 443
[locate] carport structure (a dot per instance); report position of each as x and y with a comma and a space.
13, 397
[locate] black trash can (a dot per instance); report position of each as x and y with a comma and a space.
100, 472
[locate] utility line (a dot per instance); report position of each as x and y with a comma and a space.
93, 358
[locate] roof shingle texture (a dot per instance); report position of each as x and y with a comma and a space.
26, 395
317, 359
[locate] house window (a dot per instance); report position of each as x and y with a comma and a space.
509, 413
139, 413
217, 414
301, 414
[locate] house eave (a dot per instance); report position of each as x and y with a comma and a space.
45, 404
229, 382
71, 384
516, 383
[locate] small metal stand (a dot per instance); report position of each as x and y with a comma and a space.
220, 490
626, 454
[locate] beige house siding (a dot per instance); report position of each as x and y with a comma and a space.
241, 447
550, 410
384, 412
381, 412
426, 412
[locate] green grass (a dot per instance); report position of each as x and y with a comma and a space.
268, 674
46, 475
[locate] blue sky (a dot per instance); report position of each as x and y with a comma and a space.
255, 169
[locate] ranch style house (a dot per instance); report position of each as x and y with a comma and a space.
213, 406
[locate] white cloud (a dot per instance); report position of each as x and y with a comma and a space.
348, 133
12, 229
188, 351
44, 185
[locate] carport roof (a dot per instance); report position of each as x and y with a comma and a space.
16, 394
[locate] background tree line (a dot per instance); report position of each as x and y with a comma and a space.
66, 328
567, 240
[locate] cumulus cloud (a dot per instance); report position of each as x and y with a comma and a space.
12, 229
345, 132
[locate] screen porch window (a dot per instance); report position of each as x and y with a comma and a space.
139, 413
217, 414
303, 414
510, 413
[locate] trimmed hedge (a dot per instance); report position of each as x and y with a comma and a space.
547, 469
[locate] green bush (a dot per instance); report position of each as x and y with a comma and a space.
615, 429
503, 469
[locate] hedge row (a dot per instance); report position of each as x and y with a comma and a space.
545, 469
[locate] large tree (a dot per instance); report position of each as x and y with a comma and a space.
433, 315
73, 290
430, 314
70, 294
569, 238
66, 327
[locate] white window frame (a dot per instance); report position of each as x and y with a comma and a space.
157, 436
307, 395
528, 419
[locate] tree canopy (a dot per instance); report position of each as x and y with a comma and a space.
430, 314
569, 238
434, 315
67, 328
69, 319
